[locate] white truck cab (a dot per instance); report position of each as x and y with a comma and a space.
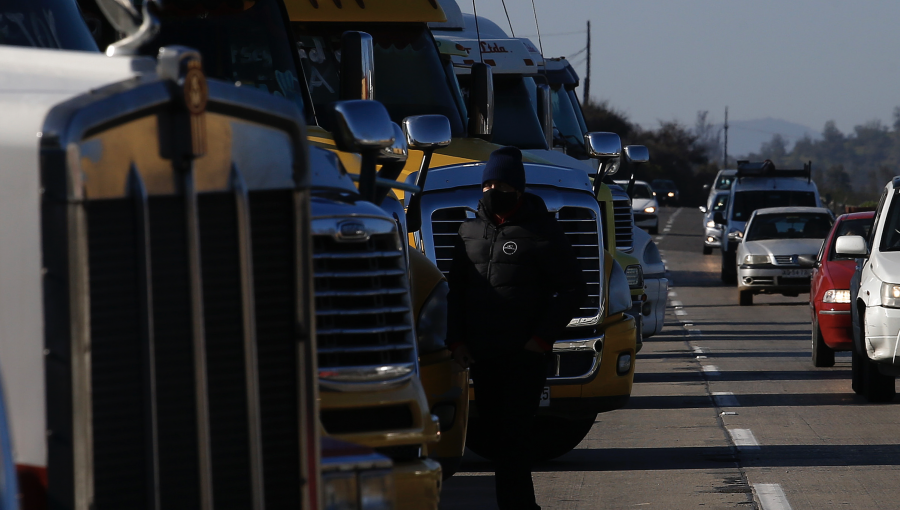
758, 186
875, 299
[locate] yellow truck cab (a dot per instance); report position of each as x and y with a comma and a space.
370, 380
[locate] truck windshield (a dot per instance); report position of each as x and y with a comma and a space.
54, 24
409, 76
745, 202
788, 226
242, 42
566, 120
515, 119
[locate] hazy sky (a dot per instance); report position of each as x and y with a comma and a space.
804, 61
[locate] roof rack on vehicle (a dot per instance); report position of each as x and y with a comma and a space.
767, 169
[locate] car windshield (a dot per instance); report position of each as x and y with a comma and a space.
721, 202
409, 76
890, 237
515, 120
745, 202
641, 191
788, 226
53, 24
243, 44
858, 227
724, 181
663, 185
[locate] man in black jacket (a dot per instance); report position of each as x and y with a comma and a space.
514, 285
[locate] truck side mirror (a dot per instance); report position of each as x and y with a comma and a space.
122, 15
545, 112
392, 160
357, 66
719, 218
637, 154
851, 246
426, 133
364, 127
481, 102
606, 148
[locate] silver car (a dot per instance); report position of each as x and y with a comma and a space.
779, 250
712, 238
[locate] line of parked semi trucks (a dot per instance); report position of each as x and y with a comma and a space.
227, 228
776, 238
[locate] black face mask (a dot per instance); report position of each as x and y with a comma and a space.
500, 202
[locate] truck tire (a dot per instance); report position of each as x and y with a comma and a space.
745, 297
822, 355
729, 267
552, 437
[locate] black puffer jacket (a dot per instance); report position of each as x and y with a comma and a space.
512, 281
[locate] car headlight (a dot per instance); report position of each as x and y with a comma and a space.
340, 490
756, 259
376, 490
890, 295
635, 276
836, 296
711, 224
670, 194
650, 210
619, 291
431, 328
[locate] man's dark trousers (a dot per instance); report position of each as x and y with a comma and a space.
507, 395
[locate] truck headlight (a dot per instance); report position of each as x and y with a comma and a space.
376, 490
431, 328
635, 276
340, 491
756, 259
650, 210
890, 295
619, 291
836, 296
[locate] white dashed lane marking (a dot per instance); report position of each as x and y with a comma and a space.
743, 439
725, 399
771, 496
710, 370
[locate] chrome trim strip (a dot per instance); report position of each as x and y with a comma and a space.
142, 217
199, 339
834, 312
251, 363
80, 320
586, 345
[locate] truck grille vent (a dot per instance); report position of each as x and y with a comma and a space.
363, 311
624, 221
579, 224
122, 391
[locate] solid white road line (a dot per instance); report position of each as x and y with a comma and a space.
771, 496
710, 370
743, 439
725, 399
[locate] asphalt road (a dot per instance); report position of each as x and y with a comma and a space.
727, 412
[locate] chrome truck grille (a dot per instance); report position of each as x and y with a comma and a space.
580, 226
364, 322
623, 216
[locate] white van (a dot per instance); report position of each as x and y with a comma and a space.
760, 185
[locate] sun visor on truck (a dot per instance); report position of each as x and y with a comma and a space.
505, 56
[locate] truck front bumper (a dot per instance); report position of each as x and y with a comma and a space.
418, 484
446, 385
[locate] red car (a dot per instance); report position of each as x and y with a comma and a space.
829, 296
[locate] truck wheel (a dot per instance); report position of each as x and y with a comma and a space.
552, 437
822, 355
729, 269
707, 250
856, 381
555, 436
746, 297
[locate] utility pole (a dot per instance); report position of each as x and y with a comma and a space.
587, 78
725, 157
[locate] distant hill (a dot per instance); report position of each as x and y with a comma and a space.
746, 136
